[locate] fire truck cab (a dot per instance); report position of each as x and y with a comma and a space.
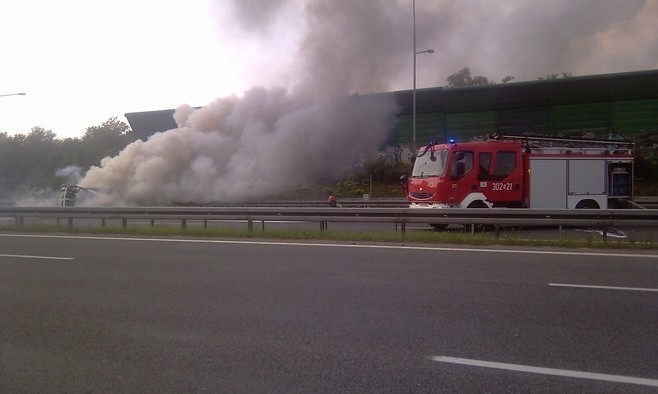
522, 172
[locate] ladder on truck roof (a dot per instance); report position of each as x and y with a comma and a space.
584, 145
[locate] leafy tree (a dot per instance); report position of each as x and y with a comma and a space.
463, 78
556, 76
6, 161
108, 139
37, 151
28, 163
507, 79
112, 125
41, 135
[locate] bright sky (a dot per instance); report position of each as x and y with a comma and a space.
81, 62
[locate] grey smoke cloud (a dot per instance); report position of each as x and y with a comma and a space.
235, 149
69, 174
255, 16
529, 39
309, 123
523, 38
269, 140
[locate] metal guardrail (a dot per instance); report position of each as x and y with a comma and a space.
644, 202
399, 216
647, 202
345, 202
640, 202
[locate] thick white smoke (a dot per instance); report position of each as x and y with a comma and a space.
236, 149
271, 140
70, 174
526, 39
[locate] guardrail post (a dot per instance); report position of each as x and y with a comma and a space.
262, 225
403, 228
103, 222
152, 222
250, 225
605, 234
19, 220
124, 223
70, 223
184, 224
205, 223
497, 231
559, 231
323, 226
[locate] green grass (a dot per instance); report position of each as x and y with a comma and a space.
423, 237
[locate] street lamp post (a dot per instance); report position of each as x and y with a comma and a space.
12, 94
416, 53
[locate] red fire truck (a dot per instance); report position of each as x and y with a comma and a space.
523, 172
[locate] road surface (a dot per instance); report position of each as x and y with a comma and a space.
88, 314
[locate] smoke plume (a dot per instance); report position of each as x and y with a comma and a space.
269, 140
262, 144
70, 174
312, 122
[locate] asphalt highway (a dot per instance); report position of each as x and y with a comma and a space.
94, 314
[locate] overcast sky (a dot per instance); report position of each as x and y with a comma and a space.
82, 62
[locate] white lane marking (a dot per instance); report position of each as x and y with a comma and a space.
343, 245
603, 287
547, 371
23, 256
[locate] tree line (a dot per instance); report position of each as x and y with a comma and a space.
29, 162
463, 78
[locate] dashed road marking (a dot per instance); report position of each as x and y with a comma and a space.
547, 371
23, 256
603, 287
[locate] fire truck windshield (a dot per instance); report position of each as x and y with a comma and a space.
430, 163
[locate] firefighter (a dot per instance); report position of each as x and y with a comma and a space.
334, 203
68, 195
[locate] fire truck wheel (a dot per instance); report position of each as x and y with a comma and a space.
479, 227
477, 204
587, 204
